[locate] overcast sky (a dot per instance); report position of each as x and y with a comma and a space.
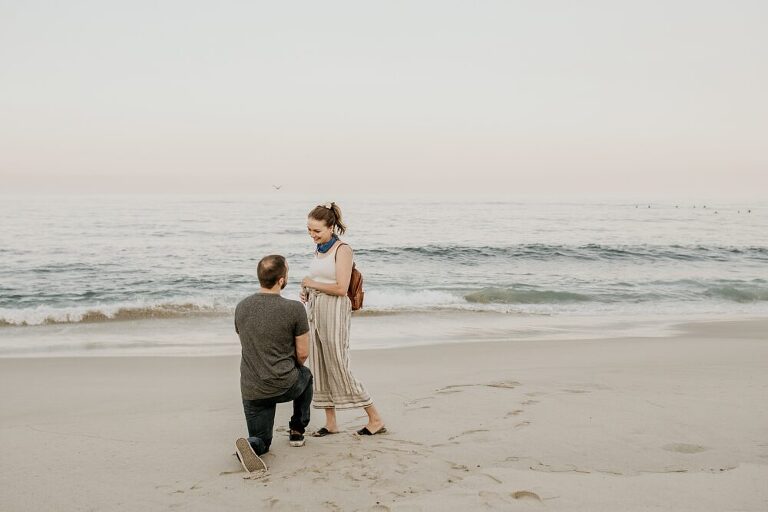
525, 97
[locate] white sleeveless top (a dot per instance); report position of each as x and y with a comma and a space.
323, 268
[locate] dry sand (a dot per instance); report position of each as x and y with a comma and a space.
674, 423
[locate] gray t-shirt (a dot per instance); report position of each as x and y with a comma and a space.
268, 325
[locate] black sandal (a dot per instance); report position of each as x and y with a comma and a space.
365, 432
323, 432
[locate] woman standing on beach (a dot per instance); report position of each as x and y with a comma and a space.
330, 315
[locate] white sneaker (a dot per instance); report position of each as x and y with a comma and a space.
295, 439
248, 458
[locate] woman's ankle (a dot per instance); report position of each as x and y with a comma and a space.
373, 415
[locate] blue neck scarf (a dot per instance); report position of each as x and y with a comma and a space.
324, 248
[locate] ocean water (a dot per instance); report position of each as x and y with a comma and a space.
118, 267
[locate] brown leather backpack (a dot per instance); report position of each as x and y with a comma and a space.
355, 291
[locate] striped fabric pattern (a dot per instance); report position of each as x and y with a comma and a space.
330, 318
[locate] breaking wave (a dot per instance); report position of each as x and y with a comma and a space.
52, 316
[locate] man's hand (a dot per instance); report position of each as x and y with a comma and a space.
303, 296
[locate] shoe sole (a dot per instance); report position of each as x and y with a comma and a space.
297, 444
248, 458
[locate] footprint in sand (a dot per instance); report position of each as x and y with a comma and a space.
468, 432
332, 506
722, 470
449, 390
525, 495
668, 469
685, 448
530, 402
557, 468
460, 467
504, 384
507, 384
513, 413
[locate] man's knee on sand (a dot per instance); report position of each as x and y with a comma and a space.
260, 446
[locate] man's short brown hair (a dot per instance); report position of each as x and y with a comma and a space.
271, 268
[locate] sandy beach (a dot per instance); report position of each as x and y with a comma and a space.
665, 423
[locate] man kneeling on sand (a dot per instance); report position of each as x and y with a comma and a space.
274, 335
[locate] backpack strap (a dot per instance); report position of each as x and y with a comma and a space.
337, 252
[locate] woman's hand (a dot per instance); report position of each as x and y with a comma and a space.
307, 283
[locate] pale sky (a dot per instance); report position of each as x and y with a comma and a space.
526, 97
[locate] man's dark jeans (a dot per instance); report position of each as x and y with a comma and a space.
260, 414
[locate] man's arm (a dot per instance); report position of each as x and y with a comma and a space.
302, 348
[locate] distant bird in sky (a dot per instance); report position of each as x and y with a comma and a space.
277, 187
